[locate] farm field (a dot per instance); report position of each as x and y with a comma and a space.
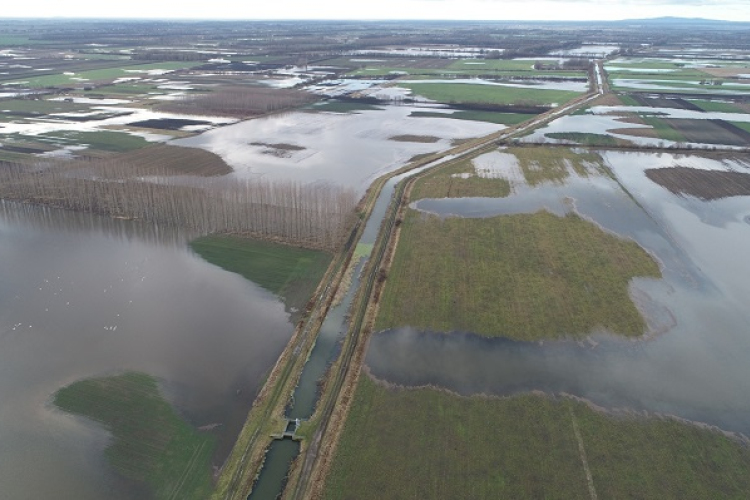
458, 181
551, 277
535, 318
482, 116
429, 443
488, 94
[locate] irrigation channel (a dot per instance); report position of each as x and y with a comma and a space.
343, 318
283, 450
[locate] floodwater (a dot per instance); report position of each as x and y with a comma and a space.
572, 86
608, 119
83, 296
692, 364
349, 149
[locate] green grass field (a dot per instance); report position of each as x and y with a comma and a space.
426, 443
343, 107
290, 272
585, 139
101, 140
151, 443
525, 277
488, 94
717, 106
479, 116
447, 182
743, 125
664, 129
83, 77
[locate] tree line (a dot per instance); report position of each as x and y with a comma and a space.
315, 216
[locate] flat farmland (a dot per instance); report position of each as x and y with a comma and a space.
549, 276
488, 94
428, 443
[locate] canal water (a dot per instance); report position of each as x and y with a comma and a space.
693, 361
280, 454
83, 296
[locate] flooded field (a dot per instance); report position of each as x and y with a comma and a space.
81, 297
350, 149
696, 313
651, 126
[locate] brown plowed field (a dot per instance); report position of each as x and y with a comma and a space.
710, 132
704, 184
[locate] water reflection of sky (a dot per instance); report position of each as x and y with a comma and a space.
695, 363
82, 296
348, 149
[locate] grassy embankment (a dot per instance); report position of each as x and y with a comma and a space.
152, 444
488, 94
427, 443
290, 272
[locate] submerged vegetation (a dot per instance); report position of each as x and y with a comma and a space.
458, 181
525, 277
305, 215
151, 443
428, 443
290, 272
553, 164
703, 184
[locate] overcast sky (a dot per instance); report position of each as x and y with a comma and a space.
737, 10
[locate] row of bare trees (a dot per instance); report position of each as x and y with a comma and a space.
240, 101
313, 216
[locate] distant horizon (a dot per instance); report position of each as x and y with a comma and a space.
365, 20
386, 10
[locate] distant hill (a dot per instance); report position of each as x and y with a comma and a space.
682, 21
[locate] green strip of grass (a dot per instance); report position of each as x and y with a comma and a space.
717, 106
526, 277
488, 94
41, 106
627, 100
479, 116
448, 183
290, 272
105, 74
585, 139
426, 443
152, 444
743, 125
102, 140
664, 129
343, 107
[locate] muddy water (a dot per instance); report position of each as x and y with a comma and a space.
348, 149
82, 296
693, 364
